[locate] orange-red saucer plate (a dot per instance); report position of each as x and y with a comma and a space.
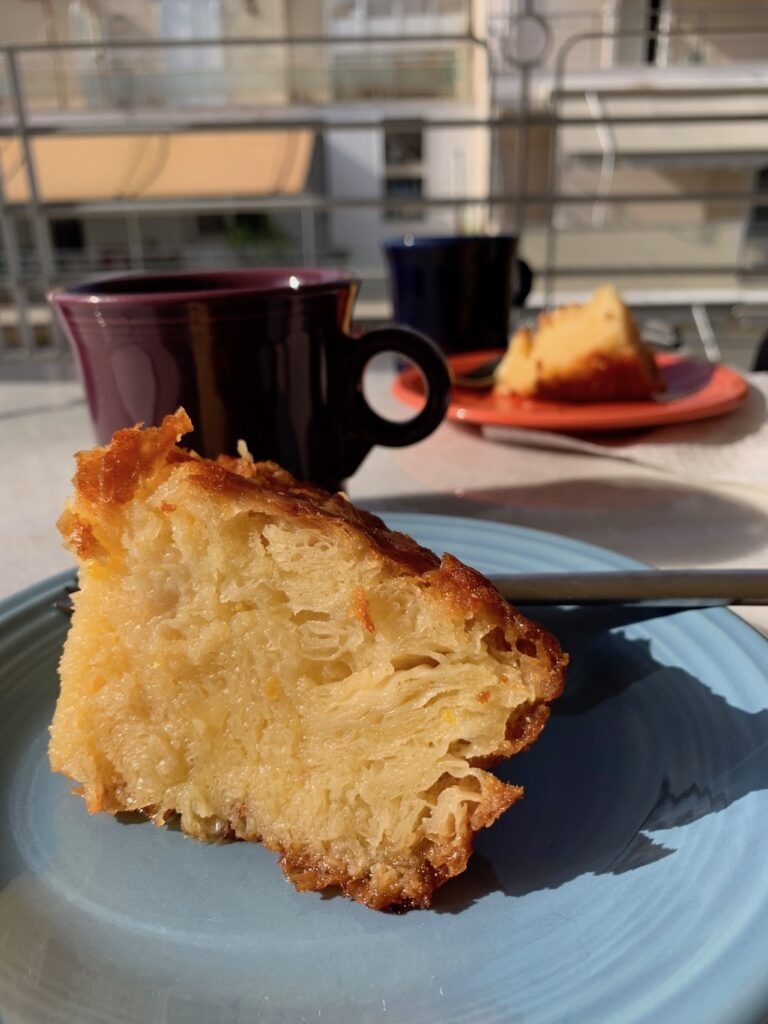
695, 390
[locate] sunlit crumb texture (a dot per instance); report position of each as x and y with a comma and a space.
272, 664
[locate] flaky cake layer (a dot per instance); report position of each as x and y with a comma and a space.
271, 663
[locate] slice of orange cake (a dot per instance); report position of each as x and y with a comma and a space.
270, 663
586, 353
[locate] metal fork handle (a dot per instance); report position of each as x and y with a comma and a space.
688, 588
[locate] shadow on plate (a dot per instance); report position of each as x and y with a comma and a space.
633, 748
587, 510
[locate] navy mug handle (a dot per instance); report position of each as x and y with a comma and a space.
370, 428
523, 283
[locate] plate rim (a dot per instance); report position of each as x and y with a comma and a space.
21, 601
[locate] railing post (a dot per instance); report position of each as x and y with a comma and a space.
38, 217
135, 244
15, 274
308, 240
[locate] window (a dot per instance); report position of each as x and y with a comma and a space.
405, 8
211, 225
759, 214
343, 9
192, 72
652, 24
67, 234
402, 146
404, 170
416, 6
380, 9
404, 188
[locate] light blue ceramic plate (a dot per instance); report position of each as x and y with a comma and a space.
630, 885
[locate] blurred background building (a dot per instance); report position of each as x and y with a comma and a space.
624, 140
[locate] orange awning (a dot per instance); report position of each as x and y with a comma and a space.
82, 168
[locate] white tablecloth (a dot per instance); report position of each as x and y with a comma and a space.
728, 449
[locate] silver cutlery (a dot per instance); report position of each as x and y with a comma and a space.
665, 588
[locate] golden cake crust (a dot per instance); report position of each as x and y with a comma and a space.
602, 378
111, 478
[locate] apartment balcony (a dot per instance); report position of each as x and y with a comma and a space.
236, 80
627, 173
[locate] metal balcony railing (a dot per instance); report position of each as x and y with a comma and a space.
650, 219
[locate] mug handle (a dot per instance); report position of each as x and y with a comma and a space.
373, 429
523, 282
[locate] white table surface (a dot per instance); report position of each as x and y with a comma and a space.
636, 511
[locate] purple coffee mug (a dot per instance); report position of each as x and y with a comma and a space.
262, 355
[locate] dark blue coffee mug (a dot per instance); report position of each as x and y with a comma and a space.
458, 290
